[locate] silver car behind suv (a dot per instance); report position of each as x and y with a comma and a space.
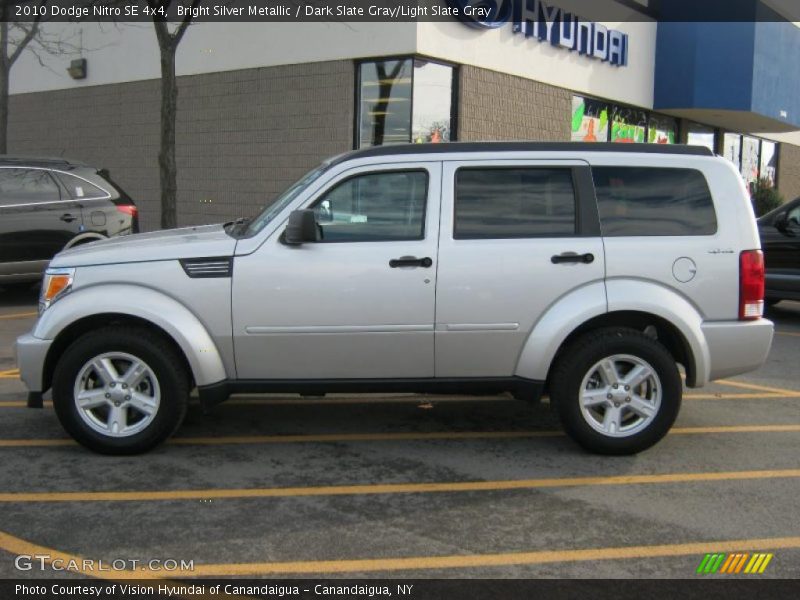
587, 271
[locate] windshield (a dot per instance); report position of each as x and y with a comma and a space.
272, 209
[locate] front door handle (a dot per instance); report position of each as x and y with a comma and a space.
68, 218
411, 261
572, 257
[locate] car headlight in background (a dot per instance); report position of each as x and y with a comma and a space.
57, 282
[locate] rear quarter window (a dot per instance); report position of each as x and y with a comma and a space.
80, 188
644, 201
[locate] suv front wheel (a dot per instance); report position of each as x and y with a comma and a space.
617, 391
120, 390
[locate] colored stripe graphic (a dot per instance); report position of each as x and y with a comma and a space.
734, 563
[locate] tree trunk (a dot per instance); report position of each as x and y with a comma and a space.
5, 68
166, 155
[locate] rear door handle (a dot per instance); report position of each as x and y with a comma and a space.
411, 261
572, 257
68, 218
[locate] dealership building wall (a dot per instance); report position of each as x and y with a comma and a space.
259, 103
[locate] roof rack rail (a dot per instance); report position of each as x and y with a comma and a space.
464, 147
18, 159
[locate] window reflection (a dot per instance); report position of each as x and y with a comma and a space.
733, 148
433, 91
769, 160
749, 159
700, 135
385, 102
404, 100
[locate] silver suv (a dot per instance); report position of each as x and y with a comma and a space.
585, 271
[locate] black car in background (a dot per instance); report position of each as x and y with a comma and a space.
49, 204
780, 239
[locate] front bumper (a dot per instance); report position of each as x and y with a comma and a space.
31, 353
737, 346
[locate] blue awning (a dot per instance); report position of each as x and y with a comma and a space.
739, 75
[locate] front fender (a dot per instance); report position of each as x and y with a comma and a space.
144, 303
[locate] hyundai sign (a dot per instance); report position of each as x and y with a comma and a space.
547, 22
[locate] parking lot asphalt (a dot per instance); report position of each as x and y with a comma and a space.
411, 486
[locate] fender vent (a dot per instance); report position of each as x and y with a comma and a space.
208, 267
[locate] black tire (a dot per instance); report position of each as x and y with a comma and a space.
167, 366
576, 363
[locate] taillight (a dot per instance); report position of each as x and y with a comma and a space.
751, 285
128, 209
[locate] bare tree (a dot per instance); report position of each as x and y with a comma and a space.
168, 40
14, 39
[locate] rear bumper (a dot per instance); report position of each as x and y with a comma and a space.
737, 346
31, 353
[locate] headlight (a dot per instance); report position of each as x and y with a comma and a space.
57, 282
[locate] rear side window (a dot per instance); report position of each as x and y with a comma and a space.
80, 188
24, 186
637, 201
514, 203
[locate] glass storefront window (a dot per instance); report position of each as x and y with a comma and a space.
662, 130
732, 148
700, 135
628, 125
749, 168
432, 106
589, 120
769, 160
385, 102
404, 100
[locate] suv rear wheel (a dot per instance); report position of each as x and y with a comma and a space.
617, 391
120, 390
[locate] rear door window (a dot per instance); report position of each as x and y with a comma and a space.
643, 201
528, 202
27, 186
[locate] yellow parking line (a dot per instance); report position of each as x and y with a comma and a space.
17, 546
396, 488
751, 396
539, 557
395, 437
793, 333
10, 373
24, 315
760, 388
736, 429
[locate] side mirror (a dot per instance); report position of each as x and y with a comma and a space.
302, 228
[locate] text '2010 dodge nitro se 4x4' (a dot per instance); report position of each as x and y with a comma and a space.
589, 272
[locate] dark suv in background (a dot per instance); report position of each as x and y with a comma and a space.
780, 239
49, 204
